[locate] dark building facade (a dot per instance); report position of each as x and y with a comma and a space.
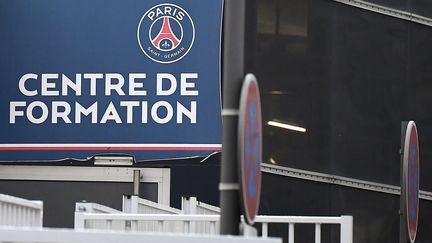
350, 76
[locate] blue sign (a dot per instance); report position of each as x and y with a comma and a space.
80, 78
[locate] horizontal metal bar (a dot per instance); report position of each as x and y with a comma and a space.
212, 218
152, 217
79, 173
20, 202
409, 16
298, 219
337, 180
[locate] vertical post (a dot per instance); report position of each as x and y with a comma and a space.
126, 204
40, 215
134, 225
212, 227
317, 233
403, 237
193, 210
264, 230
186, 226
233, 72
160, 225
291, 233
136, 182
134, 204
346, 231
79, 220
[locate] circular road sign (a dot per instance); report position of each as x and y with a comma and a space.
411, 171
250, 147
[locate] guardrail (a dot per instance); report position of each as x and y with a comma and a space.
195, 217
345, 222
134, 204
87, 207
190, 205
130, 220
16, 211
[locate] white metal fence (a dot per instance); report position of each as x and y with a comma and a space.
131, 220
194, 217
86, 207
190, 205
16, 211
136, 205
345, 222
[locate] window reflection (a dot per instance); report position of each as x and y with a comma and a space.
282, 17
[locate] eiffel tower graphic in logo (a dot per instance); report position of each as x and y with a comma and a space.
166, 40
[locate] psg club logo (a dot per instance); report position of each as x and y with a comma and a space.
166, 33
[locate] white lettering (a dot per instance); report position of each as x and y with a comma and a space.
93, 78
110, 86
191, 114
160, 77
22, 87
168, 115
43, 115
151, 15
180, 16
13, 113
75, 86
185, 85
133, 85
81, 110
64, 114
46, 85
111, 114
144, 110
129, 109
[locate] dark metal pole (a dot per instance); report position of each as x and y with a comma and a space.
403, 238
136, 182
233, 73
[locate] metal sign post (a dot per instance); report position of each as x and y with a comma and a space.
410, 173
233, 72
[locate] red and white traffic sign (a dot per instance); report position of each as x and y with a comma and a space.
250, 147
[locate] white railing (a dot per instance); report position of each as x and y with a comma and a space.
345, 222
26, 235
86, 207
16, 211
129, 222
195, 217
89, 207
190, 205
134, 204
